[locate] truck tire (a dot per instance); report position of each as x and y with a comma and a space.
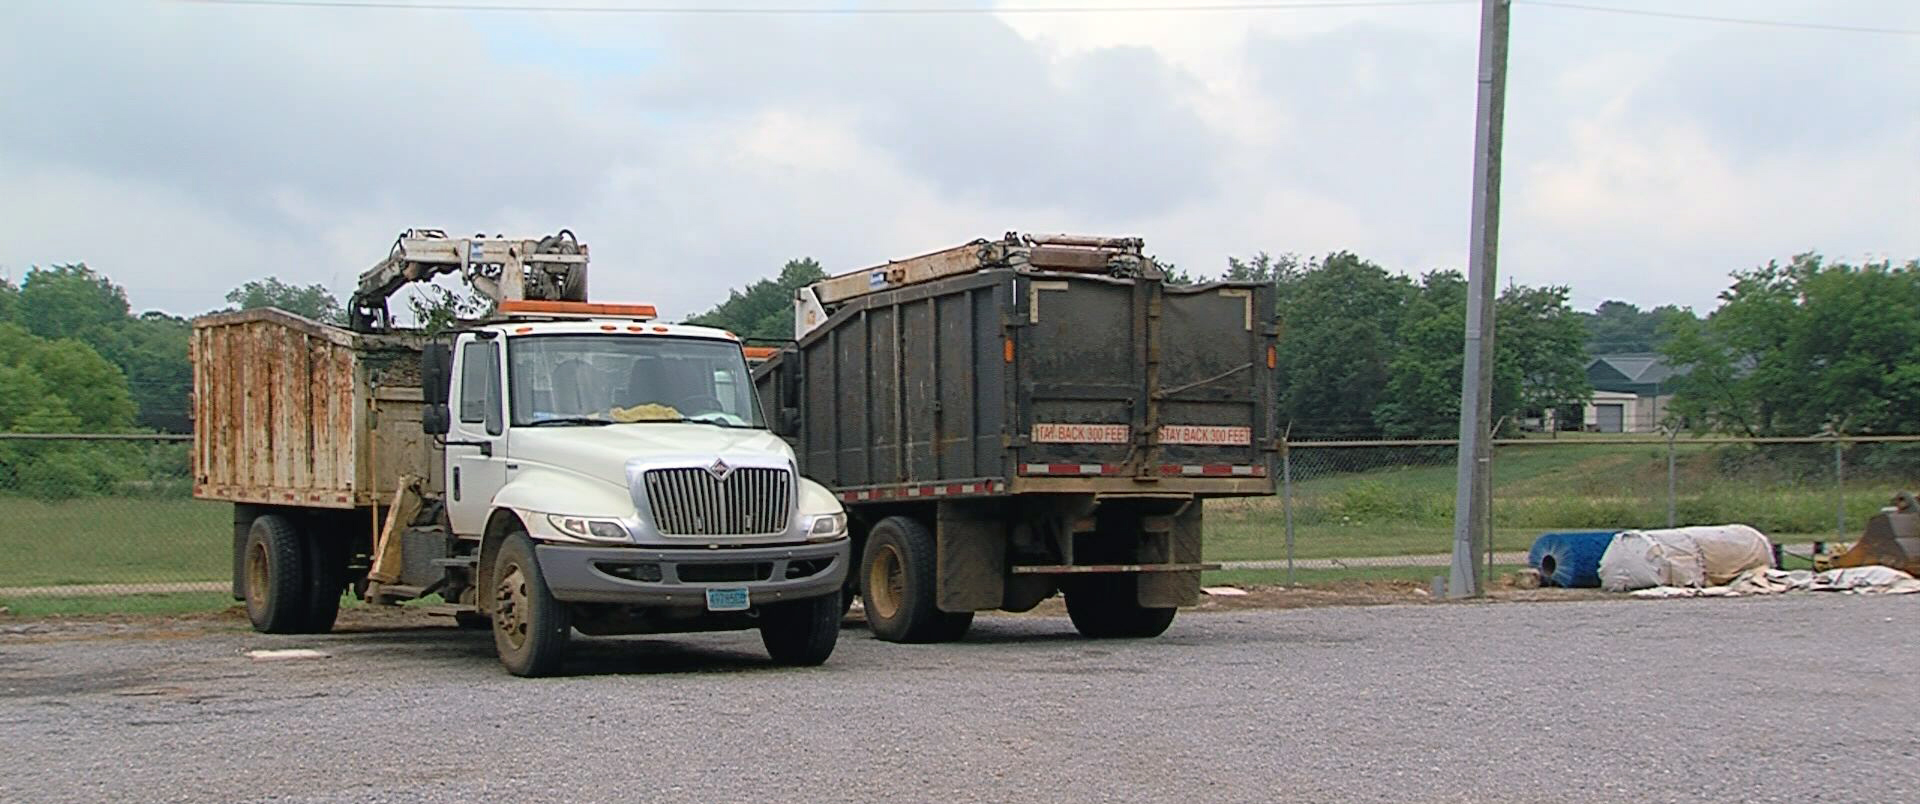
897, 585
530, 627
801, 633
1107, 607
326, 581
275, 563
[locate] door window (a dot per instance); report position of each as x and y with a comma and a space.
479, 383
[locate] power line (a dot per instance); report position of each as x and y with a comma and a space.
441, 5
1672, 15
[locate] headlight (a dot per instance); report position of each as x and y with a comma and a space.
826, 527
600, 530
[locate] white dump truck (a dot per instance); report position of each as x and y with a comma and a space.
558, 466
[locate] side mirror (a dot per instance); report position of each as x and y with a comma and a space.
436, 378
789, 421
436, 373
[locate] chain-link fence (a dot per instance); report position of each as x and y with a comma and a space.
107, 523
103, 522
1384, 509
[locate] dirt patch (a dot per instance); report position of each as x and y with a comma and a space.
74, 627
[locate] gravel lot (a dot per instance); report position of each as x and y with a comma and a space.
1790, 699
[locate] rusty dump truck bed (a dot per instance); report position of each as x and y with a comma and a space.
289, 411
1013, 381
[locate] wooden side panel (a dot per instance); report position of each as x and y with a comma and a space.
274, 411
341, 417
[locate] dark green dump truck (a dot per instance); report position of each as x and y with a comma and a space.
1015, 418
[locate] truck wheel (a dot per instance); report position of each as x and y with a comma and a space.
1106, 607
326, 580
802, 633
897, 585
530, 627
276, 573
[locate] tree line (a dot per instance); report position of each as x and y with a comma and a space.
1796, 348
1793, 349
74, 358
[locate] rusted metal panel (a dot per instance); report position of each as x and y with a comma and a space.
1162, 390
284, 409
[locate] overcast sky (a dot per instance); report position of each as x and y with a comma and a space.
183, 149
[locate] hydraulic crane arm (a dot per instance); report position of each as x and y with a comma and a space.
1115, 256
551, 268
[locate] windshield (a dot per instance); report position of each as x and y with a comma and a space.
596, 379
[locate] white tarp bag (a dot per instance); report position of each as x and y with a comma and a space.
1700, 556
1852, 580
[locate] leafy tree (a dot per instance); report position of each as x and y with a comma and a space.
1617, 327
1804, 347
1538, 362
22, 393
59, 386
69, 301
313, 301
1264, 267
436, 308
1339, 319
152, 351
764, 309
1538, 340
9, 299
1422, 397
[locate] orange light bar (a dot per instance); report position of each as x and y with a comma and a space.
532, 306
759, 352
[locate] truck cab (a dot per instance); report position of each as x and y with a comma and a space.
613, 474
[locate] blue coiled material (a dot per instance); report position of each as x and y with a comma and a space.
1569, 558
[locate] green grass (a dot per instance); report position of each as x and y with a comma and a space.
182, 603
1420, 575
1344, 508
114, 540
1348, 503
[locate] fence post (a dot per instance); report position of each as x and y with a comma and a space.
1840, 490
1673, 483
1491, 450
1286, 501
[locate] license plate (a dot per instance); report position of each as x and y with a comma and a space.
728, 598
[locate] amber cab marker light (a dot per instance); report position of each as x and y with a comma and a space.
1007, 350
645, 311
1273, 357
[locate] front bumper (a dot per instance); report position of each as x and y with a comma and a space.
643, 576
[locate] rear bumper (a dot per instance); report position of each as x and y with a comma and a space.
642, 576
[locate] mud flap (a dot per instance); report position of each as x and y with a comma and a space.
971, 543
1173, 539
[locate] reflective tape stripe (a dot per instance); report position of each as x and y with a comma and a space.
1213, 470
915, 492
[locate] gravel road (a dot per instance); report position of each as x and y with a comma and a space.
1789, 699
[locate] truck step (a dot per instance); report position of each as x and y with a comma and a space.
1081, 569
449, 609
460, 562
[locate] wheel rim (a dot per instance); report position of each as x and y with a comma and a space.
886, 582
259, 575
510, 607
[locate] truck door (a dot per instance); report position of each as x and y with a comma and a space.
476, 440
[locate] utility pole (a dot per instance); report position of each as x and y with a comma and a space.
1472, 499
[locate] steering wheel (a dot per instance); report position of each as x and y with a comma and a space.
682, 404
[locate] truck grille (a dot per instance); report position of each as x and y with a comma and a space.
692, 502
